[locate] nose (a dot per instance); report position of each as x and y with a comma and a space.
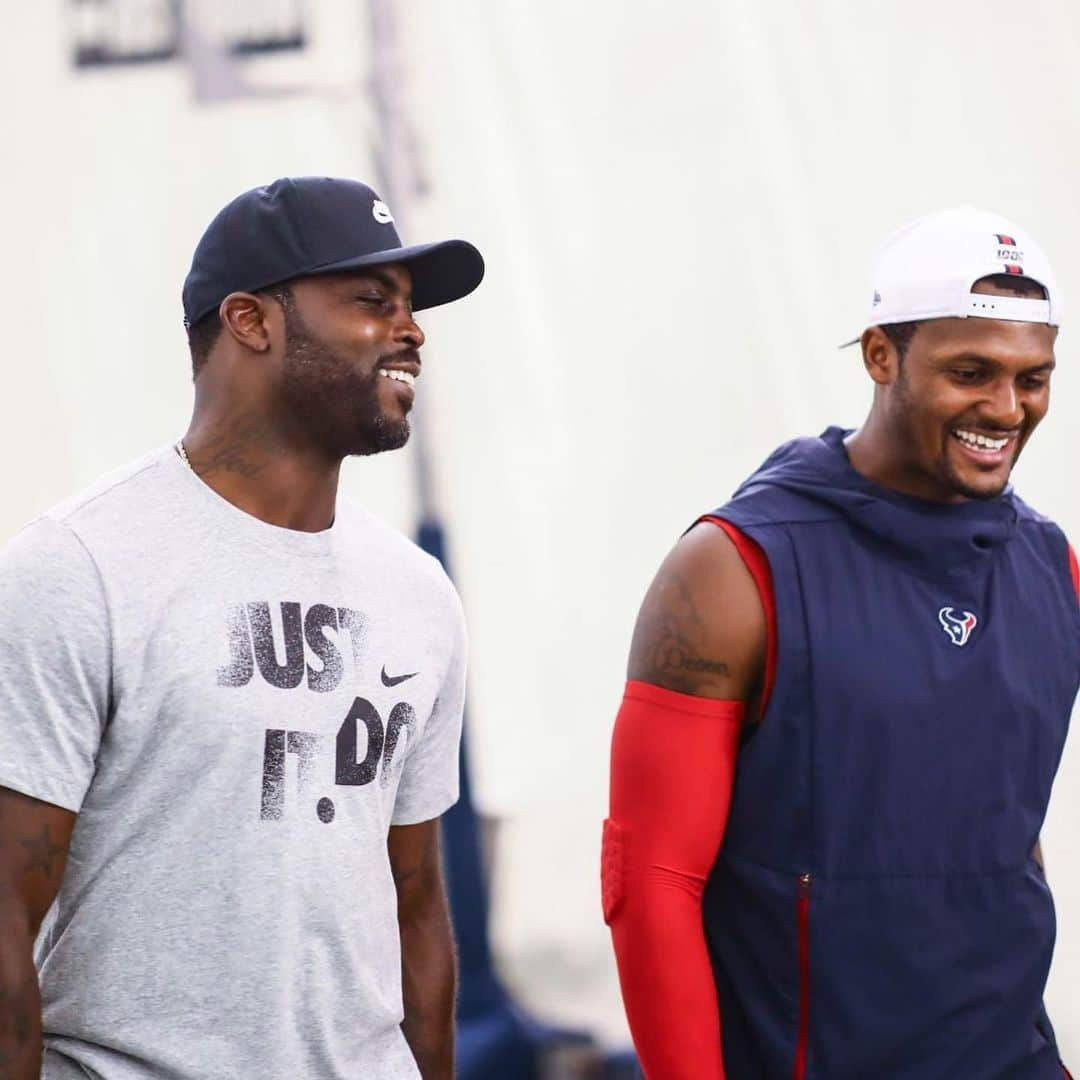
1006, 408
408, 331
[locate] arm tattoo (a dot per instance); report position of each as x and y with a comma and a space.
673, 641
41, 853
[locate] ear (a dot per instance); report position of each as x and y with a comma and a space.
247, 318
880, 357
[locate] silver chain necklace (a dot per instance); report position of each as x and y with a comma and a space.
183, 454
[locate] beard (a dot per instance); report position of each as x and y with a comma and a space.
960, 486
943, 470
335, 405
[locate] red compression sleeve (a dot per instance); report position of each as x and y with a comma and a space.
672, 767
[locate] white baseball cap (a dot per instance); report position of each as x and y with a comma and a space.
926, 269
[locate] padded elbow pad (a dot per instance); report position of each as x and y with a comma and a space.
611, 868
672, 767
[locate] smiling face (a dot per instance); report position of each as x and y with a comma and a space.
351, 359
962, 402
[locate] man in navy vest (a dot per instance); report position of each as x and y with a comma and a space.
862, 667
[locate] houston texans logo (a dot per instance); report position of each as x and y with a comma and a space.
957, 625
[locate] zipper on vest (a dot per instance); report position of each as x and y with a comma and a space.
805, 883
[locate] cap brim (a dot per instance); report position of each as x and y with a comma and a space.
441, 272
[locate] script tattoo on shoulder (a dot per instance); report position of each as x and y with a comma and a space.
673, 653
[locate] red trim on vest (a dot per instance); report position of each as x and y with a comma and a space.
1074, 568
757, 563
803, 906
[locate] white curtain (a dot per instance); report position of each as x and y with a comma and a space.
679, 204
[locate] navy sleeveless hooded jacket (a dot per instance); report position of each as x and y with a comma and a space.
875, 910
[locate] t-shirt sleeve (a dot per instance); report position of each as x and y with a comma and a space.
430, 778
55, 664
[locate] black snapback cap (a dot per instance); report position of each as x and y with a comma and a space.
298, 226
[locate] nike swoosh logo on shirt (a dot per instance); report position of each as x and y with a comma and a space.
393, 680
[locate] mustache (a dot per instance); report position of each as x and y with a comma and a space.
408, 355
979, 425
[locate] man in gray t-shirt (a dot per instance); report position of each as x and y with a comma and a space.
230, 701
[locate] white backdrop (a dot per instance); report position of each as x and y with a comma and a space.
678, 203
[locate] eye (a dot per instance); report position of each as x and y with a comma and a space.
968, 376
371, 298
1034, 382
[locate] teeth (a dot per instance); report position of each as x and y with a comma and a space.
406, 377
972, 438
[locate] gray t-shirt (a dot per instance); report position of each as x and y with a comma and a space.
238, 713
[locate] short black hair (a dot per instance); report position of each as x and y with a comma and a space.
201, 338
901, 333
203, 335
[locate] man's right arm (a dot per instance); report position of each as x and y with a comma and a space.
696, 666
34, 838
55, 687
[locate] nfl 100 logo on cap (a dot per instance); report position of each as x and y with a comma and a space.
926, 270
